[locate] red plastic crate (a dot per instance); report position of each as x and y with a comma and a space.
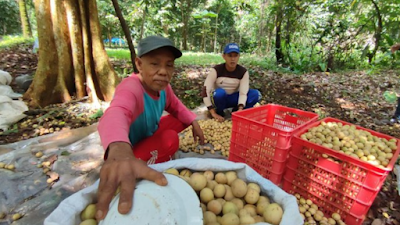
348, 187
261, 137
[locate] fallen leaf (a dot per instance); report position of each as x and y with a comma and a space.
53, 176
52, 158
65, 153
377, 222
386, 215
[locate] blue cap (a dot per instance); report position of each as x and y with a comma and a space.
231, 47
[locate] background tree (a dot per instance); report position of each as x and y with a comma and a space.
25, 24
69, 66
126, 32
9, 17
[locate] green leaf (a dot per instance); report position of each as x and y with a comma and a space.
65, 153
389, 40
390, 96
98, 114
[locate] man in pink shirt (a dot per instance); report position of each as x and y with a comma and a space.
133, 131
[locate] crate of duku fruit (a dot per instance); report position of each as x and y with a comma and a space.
340, 167
261, 137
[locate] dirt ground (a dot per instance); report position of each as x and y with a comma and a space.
355, 97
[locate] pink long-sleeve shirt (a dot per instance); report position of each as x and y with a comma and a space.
135, 114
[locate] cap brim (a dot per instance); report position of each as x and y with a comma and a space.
232, 50
177, 53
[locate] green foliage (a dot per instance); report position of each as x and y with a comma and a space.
390, 96
9, 17
11, 41
97, 114
321, 35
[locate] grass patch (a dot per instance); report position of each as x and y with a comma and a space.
201, 59
118, 53
9, 41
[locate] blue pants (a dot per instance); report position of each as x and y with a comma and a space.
397, 113
223, 101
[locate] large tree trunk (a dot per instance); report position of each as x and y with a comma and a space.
26, 26
126, 32
105, 78
216, 28
378, 32
71, 54
186, 12
75, 32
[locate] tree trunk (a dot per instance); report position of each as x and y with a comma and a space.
261, 27
26, 26
64, 86
109, 37
288, 16
278, 46
143, 21
87, 54
216, 28
75, 32
127, 33
378, 32
186, 12
66, 62
105, 78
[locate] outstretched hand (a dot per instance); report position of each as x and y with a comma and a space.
122, 169
197, 132
217, 117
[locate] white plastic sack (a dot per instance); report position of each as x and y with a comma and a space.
8, 91
5, 78
67, 213
11, 111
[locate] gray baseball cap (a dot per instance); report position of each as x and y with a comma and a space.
151, 43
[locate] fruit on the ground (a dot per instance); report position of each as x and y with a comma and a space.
10, 167
313, 215
217, 134
16, 216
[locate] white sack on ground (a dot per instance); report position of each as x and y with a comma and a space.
5, 78
11, 111
6, 90
67, 213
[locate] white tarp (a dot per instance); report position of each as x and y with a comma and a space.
67, 213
